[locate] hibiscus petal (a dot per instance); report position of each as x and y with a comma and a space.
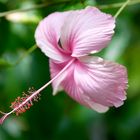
86, 31
55, 68
96, 83
48, 33
98, 107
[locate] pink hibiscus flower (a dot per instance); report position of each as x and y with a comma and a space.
68, 39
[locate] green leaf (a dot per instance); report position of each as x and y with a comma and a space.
4, 63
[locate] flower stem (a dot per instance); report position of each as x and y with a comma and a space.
26, 53
121, 8
117, 5
108, 6
30, 50
3, 14
5, 115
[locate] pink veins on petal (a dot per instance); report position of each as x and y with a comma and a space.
91, 81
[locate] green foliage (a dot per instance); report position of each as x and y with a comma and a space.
59, 117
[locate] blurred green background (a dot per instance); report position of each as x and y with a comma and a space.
59, 117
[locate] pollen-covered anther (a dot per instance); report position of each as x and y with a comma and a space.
21, 104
